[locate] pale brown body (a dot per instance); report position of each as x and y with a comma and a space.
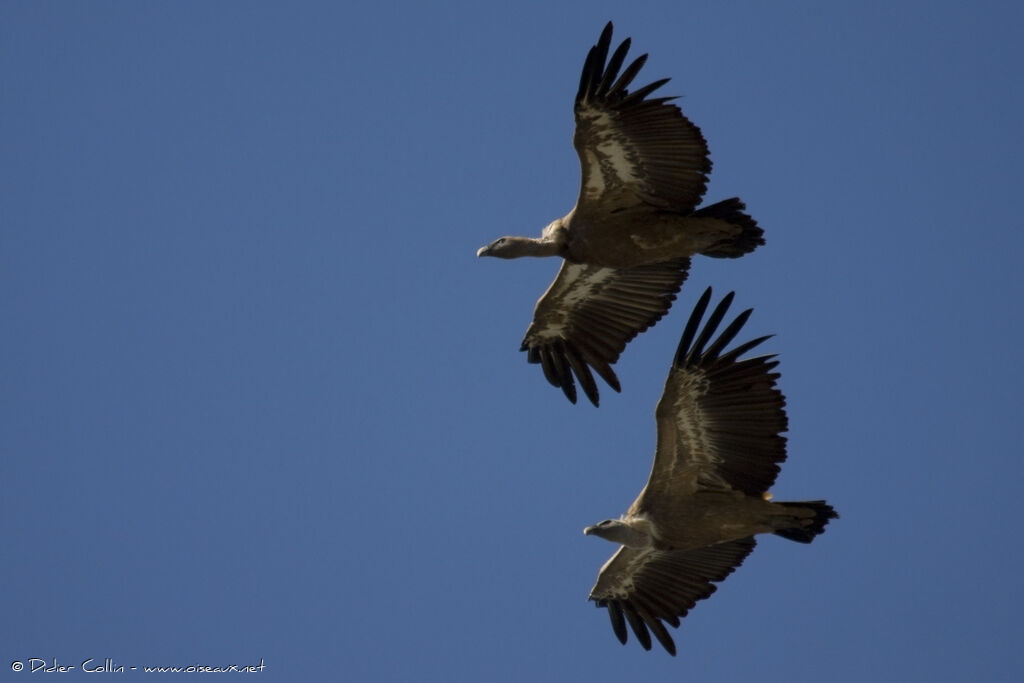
635, 237
709, 517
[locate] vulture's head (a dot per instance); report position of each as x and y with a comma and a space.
503, 247
609, 529
514, 247
618, 531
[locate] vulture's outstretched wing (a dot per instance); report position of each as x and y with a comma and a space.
720, 418
647, 587
589, 314
632, 149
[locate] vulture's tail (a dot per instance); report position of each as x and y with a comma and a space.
732, 211
808, 526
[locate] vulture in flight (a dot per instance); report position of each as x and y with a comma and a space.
627, 243
718, 452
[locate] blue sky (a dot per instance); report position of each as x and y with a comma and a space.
261, 401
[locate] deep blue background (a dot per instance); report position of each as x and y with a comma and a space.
260, 400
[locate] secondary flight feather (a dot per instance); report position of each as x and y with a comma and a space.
718, 452
626, 244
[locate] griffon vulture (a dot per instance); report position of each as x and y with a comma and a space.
718, 451
627, 242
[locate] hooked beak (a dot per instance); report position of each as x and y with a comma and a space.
589, 530
482, 251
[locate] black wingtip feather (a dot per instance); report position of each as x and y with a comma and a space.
747, 346
600, 54
600, 79
618, 622
552, 361
697, 350
593, 65
642, 624
727, 335
569, 389
612, 68
562, 371
644, 91
691, 328
638, 626
563, 363
691, 351
583, 374
547, 364
662, 634
628, 75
